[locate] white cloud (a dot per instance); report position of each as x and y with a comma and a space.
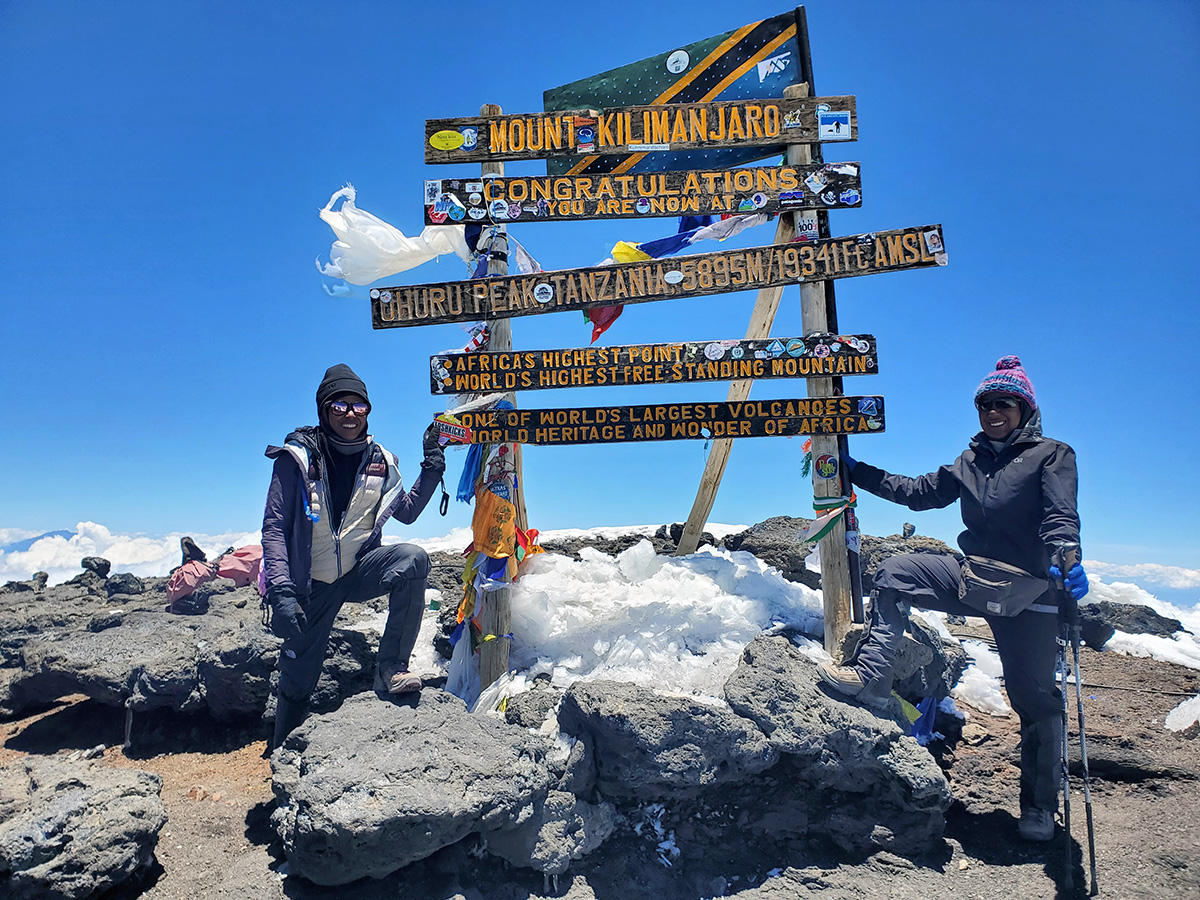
137, 553
1152, 573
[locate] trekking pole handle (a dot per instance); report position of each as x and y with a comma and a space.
1066, 556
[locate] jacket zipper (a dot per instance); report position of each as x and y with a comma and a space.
337, 537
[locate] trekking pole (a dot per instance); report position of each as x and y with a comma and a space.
1069, 879
1066, 556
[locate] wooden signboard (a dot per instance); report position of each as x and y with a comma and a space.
640, 129
657, 279
678, 363
677, 421
765, 189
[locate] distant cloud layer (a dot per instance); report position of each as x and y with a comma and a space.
1152, 573
144, 556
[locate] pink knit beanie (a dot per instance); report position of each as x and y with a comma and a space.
1009, 378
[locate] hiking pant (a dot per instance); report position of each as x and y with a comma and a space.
400, 571
1026, 643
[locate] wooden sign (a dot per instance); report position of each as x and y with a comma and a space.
766, 189
640, 129
677, 421
657, 279
678, 363
759, 60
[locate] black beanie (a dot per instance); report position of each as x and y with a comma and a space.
339, 379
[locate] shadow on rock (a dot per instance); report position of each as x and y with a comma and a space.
258, 827
77, 726
164, 731
137, 885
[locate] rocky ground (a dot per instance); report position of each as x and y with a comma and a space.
218, 842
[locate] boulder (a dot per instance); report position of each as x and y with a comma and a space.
854, 776
1100, 621
529, 710
74, 829
125, 583
86, 584
96, 564
377, 785
131, 652
674, 532
550, 836
651, 746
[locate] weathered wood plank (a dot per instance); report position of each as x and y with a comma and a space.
677, 421
699, 275
637, 129
677, 363
765, 189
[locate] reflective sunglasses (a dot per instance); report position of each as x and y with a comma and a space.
342, 408
997, 403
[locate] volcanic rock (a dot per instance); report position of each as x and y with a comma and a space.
652, 746
1098, 622
855, 776
70, 830
376, 785
551, 835
125, 583
137, 655
96, 564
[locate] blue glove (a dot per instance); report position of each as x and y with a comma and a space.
1075, 584
287, 615
848, 463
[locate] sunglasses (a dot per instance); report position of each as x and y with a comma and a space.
342, 408
997, 403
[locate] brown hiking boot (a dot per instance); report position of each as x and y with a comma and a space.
846, 681
396, 680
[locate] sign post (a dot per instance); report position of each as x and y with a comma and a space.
675, 154
496, 615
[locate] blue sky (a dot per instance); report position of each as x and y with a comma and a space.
163, 319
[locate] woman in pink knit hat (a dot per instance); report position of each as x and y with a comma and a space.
1017, 490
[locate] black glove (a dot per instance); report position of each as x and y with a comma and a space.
287, 615
435, 456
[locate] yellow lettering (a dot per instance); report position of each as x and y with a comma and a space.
497, 137
735, 124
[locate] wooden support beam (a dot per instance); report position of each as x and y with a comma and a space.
835, 563
765, 307
496, 616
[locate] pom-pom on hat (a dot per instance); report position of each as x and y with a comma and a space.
1008, 378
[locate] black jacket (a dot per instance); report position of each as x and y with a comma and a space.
1016, 506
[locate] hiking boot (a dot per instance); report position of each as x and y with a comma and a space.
847, 682
1036, 824
396, 680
